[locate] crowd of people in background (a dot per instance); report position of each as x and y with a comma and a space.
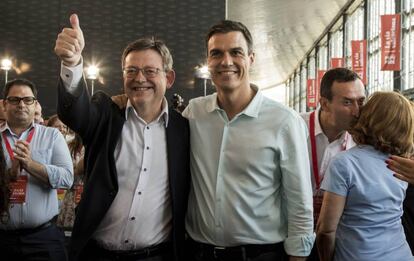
232, 176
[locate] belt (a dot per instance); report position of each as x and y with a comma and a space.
237, 252
26, 231
130, 255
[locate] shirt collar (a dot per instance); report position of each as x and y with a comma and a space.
163, 116
251, 110
5, 127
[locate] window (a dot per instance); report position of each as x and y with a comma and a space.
303, 78
354, 30
377, 80
336, 44
407, 61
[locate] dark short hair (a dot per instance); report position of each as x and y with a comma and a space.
19, 82
336, 75
152, 43
227, 26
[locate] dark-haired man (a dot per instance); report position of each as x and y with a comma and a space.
250, 197
342, 93
135, 196
35, 162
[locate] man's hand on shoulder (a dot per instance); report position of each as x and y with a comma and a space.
120, 100
70, 43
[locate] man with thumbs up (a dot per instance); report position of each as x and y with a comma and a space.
136, 159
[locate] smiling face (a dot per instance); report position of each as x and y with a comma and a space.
144, 91
229, 61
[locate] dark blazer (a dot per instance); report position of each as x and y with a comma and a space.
99, 122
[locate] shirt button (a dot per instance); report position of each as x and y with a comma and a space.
147, 128
147, 148
139, 192
133, 218
67, 75
145, 169
126, 241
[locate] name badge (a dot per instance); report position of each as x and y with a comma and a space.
61, 194
18, 190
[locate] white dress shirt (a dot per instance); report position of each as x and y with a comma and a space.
325, 151
140, 215
250, 176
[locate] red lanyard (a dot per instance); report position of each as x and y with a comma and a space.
313, 149
8, 147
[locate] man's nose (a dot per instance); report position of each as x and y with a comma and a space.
355, 109
140, 77
21, 103
227, 59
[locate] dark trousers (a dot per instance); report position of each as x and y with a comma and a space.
46, 244
93, 252
203, 252
408, 217
314, 255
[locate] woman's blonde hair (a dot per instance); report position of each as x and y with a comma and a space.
386, 122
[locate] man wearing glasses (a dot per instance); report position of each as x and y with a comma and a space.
34, 162
137, 159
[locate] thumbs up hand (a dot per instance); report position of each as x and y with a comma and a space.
70, 43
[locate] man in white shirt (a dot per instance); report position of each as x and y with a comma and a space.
137, 172
250, 197
342, 93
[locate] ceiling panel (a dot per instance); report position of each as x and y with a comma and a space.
283, 32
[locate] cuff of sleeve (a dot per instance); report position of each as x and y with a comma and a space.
71, 76
57, 179
299, 245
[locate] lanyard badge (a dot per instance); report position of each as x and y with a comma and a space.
18, 187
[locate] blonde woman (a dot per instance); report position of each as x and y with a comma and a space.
362, 206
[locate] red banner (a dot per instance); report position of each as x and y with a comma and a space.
311, 93
359, 59
390, 42
337, 62
318, 81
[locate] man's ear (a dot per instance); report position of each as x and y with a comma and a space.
252, 57
170, 78
324, 104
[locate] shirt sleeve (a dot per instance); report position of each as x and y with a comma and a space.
186, 111
296, 182
336, 178
60, 168
71, 76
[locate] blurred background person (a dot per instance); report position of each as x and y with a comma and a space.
362, 206
38, 114
70, 198
2, 112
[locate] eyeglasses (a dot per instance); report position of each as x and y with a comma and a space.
148, 72
28, 100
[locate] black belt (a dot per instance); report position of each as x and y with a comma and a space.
237, 252
130, 255
26, 231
